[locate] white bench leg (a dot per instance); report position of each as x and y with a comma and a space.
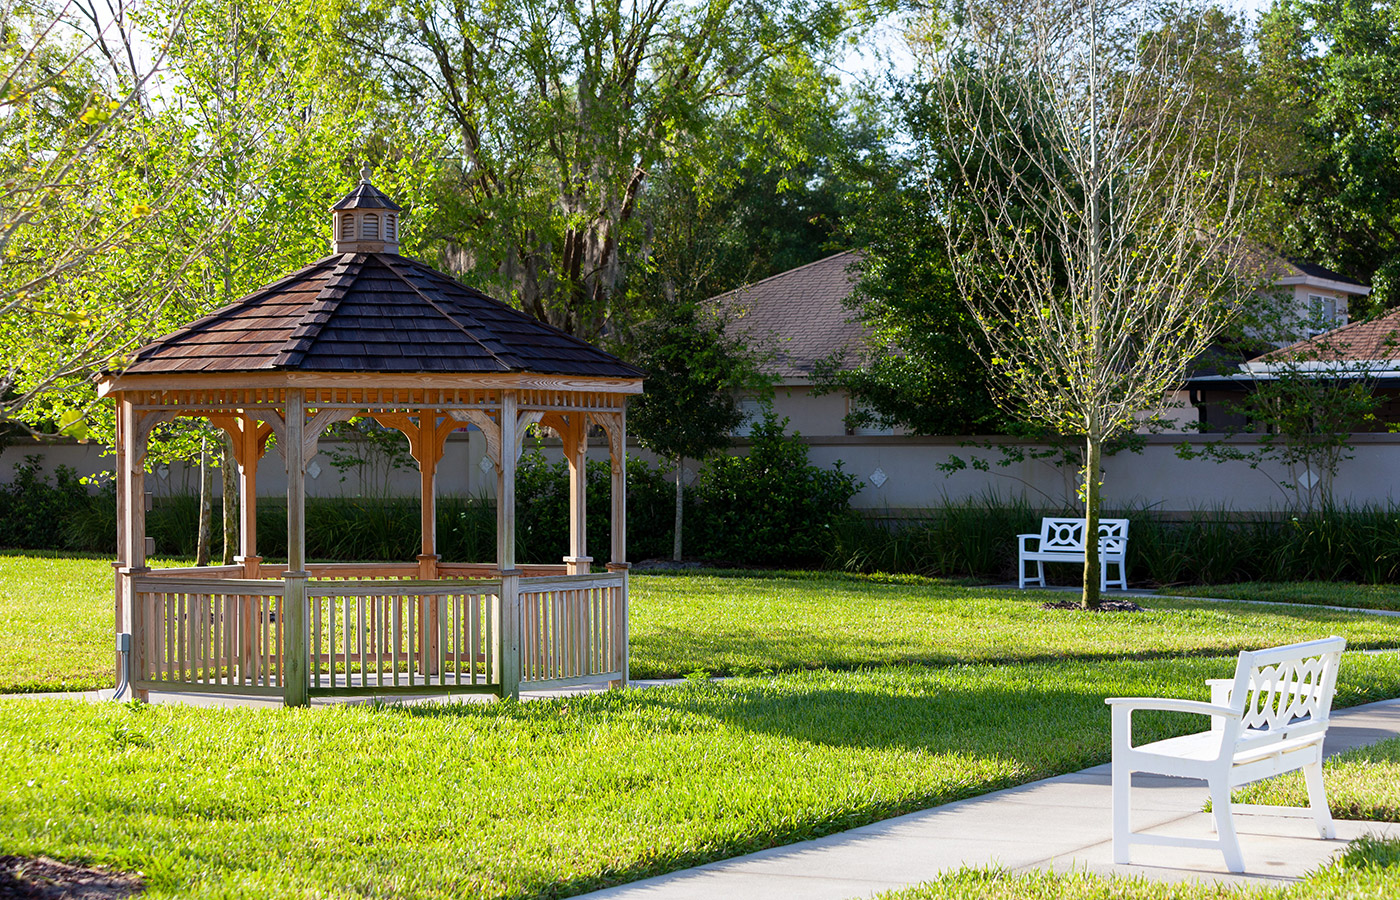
1225, 824
1317, 800
1021, 573
1122, 824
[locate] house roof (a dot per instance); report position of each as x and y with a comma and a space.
373, 312
799, 315
1316, 271
1366, 341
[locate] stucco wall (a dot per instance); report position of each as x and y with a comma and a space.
1155, 478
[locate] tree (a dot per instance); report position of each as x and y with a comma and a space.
78, 190
1097, 229
1329, 66
561, 111
919, 369
695, 371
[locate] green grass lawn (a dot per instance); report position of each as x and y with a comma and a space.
875, 697
1313, 593
727, 624
555, 797
56, 624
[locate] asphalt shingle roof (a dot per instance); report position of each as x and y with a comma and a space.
1377, 339
373, 312
799, 314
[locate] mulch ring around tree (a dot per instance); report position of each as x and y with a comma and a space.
1104, 606
41, 878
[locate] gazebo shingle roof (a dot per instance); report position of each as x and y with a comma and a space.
375, 312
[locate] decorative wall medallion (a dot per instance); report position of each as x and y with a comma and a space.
878, 477
314, 470
485, 465
1308, 479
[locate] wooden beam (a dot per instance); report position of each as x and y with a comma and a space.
575, 438
508, 621
451, 381
295, 680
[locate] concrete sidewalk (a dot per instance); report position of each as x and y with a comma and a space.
1060, 823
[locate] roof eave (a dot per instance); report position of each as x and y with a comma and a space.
1324, 283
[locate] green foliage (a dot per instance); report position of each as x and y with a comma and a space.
695, 369
771, 506
542, 510
934, 382
34, 510
977, 538
1328, 67
560, 111
972, 538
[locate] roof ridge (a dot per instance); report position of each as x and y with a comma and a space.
440, 276
502, 356
753, 284
319, 312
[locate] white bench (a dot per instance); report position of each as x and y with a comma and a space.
1062, 540
1269, 719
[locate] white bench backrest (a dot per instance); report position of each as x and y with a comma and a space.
1068, 534
1285, 692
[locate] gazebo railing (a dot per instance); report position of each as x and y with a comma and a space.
372, 637
378, 635
199, 633
573, 630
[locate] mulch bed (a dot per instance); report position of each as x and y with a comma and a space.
41, 878
1104, 606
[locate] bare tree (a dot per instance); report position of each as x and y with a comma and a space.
1097, 216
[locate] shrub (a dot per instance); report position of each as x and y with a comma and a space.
33, 510
771, 507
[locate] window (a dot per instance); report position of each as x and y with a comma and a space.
369, 227
752, 409
347, 227
1325, 312
391, 227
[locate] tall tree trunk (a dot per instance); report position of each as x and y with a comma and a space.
1093, 451
680, 506
230, 502
206, 502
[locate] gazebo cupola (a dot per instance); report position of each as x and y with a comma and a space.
367, 332
365, 220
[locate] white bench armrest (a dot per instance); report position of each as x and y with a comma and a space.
1172, 704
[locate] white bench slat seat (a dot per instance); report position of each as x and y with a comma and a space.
1062, 540
1270, 718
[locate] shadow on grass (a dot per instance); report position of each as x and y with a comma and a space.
961, 731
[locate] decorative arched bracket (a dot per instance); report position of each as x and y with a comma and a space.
311, 431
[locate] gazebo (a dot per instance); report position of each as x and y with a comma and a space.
367, 332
